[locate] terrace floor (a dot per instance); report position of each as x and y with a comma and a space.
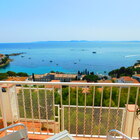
44, 137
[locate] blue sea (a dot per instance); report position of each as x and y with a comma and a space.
70, 56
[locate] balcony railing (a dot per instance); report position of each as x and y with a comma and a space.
84, 109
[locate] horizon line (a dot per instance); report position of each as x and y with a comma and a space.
73, 41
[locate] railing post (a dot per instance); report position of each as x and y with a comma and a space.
62, 110
8, 104
130, 128
62, 118
2, 108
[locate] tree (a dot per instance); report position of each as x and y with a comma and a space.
3, 76
11, 73
22, 74
91, 78
5, 59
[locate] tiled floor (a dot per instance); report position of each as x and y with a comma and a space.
45, 137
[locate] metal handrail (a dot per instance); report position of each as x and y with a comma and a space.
120, 133
70, 83
48, 107
11, 126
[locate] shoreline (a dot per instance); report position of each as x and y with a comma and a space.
5, 64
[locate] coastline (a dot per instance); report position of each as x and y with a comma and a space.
69, 57
5, 64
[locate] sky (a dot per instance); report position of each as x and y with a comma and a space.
61, 20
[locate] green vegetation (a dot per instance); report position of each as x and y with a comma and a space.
106, 96
11, 73
91, 78
129, 71
35, 96
41, 99
57, 72
22, 74
5, 61
4, 76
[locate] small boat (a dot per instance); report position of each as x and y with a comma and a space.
93, 52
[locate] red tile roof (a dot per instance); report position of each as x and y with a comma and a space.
16, 79
104, 81
137, 75
55, 86
82, 81
128, 79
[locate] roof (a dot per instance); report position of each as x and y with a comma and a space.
114, 78
85, 90
16, 79
126, 78
55, 86
130, 79
55, 80
104, 81
137, 75
135, 81
64, 75
82, 81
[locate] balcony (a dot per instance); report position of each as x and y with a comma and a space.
85, 110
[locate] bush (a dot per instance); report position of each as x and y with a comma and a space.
22, 74
11, 73
3, 76
91, 78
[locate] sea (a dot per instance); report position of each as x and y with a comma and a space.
99, 57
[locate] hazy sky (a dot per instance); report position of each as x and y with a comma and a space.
43, 20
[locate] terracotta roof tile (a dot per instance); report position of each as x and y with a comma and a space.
55, 86
104, 81
16, 79
128, 79
82, 81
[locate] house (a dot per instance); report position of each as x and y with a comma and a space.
104, 81
126, 79
54, 86
85, 89
17, 79
137, 77
64, 77
56, 76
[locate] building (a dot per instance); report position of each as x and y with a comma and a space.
56, 76
17, 79
104, 81
54, 86
126, 79
137, 77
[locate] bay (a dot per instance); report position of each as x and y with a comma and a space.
71, 56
